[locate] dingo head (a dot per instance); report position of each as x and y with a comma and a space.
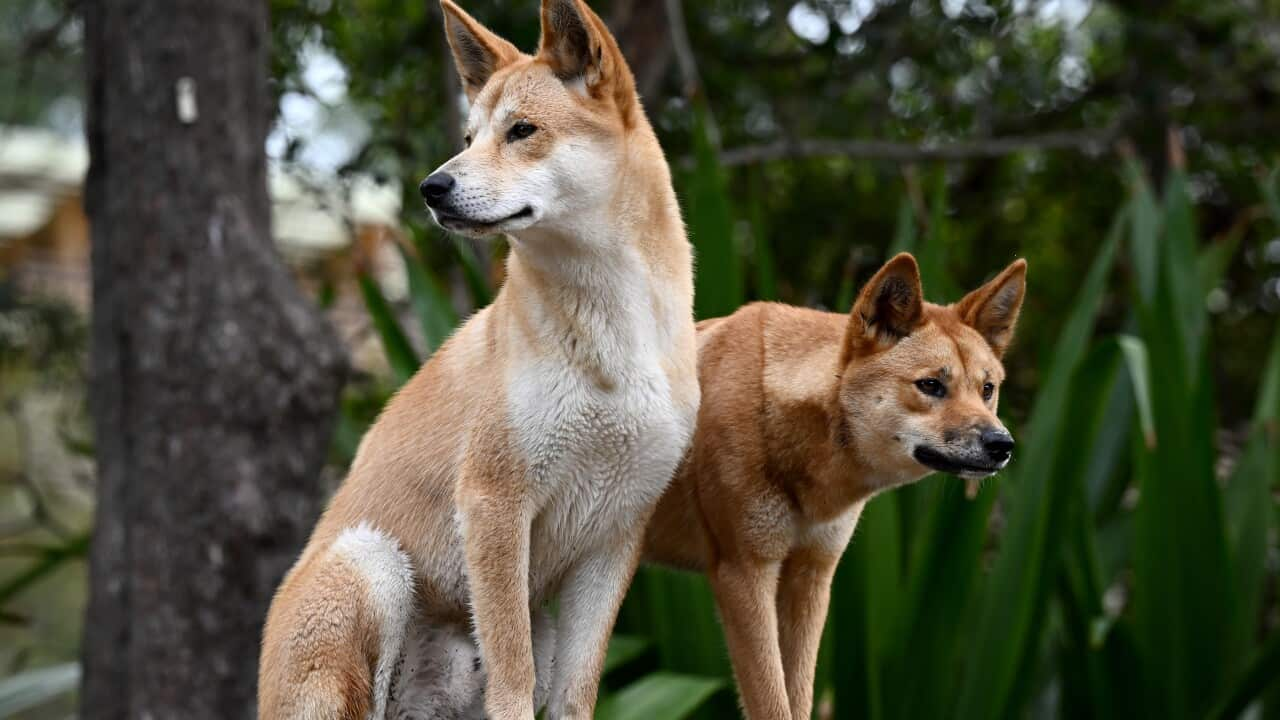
920, 382
545, 132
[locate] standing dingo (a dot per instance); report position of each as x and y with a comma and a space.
805, 416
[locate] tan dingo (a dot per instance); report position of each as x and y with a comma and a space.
805, 416
522, 462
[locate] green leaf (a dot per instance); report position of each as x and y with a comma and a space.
400, 354
346, 436
430, 303
34, 688
1215, 258
932, 252
1270, 186
904, 229
48, 562
766, 273
474, 274
718, 266
1135, 357
1086, 686
1248, 500
1262, 672
1248, 507
1015, 600
677, 611
622, 650
660, 695
1089, 633
848, 289
1184, 607
1180, 269
1144, 218
866, 593
919, 677
1107, 478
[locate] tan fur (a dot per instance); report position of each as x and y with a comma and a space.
445, 477
805, 416
290, 684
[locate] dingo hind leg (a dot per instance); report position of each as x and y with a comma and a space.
441, 675
335, 631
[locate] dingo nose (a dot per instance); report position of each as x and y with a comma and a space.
998, 444
435, 187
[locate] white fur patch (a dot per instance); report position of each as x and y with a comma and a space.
832, 535
578, 85
389, 577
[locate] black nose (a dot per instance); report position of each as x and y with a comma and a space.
998, 444
435, 187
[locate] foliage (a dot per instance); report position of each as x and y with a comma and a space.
44, 507
40, 54
45, 334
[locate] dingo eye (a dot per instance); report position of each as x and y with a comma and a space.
932, 387
520, 131
467, 139
988, 390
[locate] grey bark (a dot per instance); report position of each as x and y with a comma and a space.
214, 381
641, 29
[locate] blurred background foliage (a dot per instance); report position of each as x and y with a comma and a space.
1127, 563
827, 114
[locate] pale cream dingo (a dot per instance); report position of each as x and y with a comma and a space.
522, 462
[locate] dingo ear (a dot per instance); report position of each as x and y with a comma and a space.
477, 52
993, 309
578, 47
890, 306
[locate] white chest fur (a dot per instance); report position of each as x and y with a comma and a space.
598, 461
596, 421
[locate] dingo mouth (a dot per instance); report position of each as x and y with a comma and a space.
457, 222
935, 460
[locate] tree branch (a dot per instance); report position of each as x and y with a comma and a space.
641, 29
1091, 142
685, 58
690, 78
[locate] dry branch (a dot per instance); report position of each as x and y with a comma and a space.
1092, 142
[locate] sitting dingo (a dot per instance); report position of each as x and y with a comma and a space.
805, 416
523, 460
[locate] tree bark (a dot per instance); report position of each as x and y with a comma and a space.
214, 381
640, 27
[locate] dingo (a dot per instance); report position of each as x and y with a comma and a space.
805, 416
522, 462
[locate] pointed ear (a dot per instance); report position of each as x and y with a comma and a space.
578, 46
477, 52
993, 309
890, 307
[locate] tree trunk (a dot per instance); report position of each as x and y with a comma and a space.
214, 382
640, 27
